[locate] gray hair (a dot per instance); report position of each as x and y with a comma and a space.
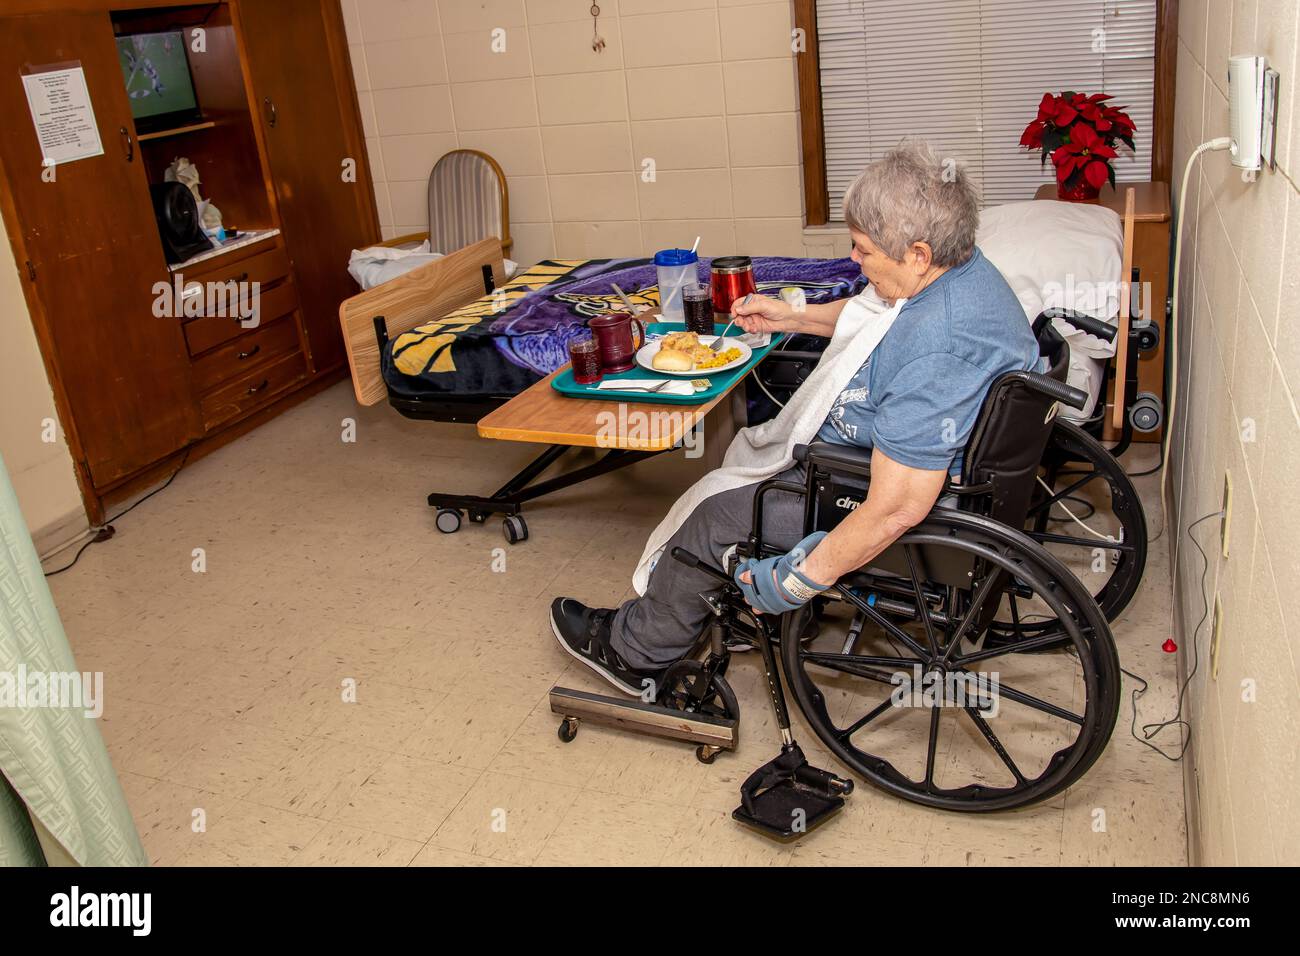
910, 195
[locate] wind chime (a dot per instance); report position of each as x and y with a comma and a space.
597, 41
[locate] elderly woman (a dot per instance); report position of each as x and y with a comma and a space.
913, 404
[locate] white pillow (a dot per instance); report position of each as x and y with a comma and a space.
376, 265
1058, 255
1061, 255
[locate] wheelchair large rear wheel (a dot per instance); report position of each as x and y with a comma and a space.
902, 685
1110, 554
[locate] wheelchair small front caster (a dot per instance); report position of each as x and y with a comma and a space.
514, 528
705, 753
448, 520
568, 729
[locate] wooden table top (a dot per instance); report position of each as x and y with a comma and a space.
541, 414
1152, 199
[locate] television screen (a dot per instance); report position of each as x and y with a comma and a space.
157, 76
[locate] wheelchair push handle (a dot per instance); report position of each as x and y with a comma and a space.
1046, 385
1084, 323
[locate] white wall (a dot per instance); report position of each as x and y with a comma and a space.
705, 88
1240, 378
41, 472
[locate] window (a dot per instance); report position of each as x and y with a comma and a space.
968, 75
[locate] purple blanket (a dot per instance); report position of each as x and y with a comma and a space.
535, 330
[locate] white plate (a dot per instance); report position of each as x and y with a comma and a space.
646, 353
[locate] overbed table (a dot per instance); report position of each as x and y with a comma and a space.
541, 414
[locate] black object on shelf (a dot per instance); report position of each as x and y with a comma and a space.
179, 225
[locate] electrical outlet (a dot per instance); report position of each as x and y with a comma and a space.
1215, 638
1227, 512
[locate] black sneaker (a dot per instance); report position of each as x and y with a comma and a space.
584, 632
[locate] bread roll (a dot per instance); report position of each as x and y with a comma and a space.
672, 360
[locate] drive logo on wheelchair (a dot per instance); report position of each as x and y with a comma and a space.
836, 501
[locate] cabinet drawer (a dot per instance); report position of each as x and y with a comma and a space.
265, 266
252, 389
240, 354
211, 331
220, 290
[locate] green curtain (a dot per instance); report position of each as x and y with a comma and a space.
55, 766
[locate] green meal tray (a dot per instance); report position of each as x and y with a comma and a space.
719, 381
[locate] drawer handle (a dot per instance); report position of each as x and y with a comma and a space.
254, 389
249, 354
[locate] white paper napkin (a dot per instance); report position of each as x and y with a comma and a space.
679, 387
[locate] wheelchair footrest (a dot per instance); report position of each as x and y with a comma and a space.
788, 798
629, 713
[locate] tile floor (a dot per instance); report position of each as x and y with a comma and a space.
225, 688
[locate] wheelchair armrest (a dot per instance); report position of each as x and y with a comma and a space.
780, 357
834, 456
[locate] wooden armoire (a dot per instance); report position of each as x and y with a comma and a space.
278, 143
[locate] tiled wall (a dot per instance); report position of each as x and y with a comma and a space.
704, 88
1240, 379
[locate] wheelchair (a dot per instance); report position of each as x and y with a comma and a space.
1085, 509
964, 668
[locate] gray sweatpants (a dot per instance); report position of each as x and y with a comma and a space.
663, 625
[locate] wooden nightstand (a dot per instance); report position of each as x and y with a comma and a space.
1151, 234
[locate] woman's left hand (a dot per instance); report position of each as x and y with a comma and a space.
777, 585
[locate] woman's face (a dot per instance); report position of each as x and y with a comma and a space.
891, 278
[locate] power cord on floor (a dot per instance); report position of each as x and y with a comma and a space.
106, 530
1151, 730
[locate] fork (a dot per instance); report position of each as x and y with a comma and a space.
716, 344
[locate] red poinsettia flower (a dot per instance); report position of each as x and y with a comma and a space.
1032, 137
1087, 151
1079, 131
1117, 117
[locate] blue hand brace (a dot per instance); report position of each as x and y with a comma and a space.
789, 588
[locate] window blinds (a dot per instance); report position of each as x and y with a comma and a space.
968, 76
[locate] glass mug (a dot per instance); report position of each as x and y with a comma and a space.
615, 341
697, 303
585, 356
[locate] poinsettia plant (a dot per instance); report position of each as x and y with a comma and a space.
1079, 132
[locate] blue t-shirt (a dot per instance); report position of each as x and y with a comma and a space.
918, 394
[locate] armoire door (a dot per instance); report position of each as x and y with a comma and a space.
303, 89
86, 240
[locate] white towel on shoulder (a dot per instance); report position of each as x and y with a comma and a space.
765, 450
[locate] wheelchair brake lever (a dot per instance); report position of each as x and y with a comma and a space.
691, 561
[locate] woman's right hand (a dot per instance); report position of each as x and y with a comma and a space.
764, 314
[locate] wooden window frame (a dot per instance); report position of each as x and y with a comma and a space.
812, 130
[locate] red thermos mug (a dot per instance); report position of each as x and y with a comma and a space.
733, 278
